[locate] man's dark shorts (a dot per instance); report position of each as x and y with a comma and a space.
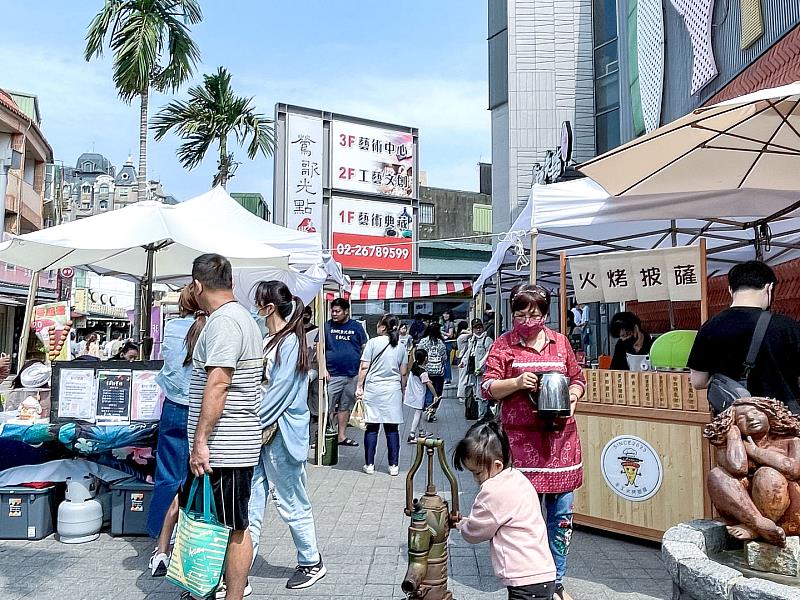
231, 488
342, 393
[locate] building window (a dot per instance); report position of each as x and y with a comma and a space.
481, 218
606, 76
124, 176
103, 204
498, 53
427, 213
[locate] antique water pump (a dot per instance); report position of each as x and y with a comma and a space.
431, 522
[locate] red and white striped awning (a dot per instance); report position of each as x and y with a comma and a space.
381, 289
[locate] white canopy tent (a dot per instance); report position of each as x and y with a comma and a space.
149, 241
581, 217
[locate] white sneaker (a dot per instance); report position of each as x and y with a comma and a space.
159, 562
368, 469
222, 591
394, 470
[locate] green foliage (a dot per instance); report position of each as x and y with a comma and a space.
150, 42
212, 113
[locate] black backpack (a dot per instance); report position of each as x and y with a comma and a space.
722, 390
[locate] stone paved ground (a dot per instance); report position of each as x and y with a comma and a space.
362, 534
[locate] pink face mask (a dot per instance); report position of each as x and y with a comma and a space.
527, 329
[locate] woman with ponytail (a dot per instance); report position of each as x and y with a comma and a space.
381, 384
285, 421
172, 454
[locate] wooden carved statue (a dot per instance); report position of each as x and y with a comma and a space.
755, 485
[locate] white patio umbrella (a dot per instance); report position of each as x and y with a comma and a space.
750, 142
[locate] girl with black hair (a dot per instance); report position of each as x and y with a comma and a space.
381, 384
415, 393
285, 420
434, 345
507, 512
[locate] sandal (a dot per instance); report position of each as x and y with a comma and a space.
348, 442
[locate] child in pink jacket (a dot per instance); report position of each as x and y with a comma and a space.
507, 512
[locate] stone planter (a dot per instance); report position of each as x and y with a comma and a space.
686, 549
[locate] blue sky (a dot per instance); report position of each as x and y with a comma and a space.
417, 63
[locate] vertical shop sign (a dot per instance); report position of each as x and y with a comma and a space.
303, 193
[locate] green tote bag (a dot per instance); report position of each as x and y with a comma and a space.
201, 544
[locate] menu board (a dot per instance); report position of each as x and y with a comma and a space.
76, 394
147, 397
113, 397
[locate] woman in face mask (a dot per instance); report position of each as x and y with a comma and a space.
547, 452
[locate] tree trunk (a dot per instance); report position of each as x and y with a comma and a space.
222, 171
141, 176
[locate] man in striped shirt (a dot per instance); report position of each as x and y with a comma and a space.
224, 397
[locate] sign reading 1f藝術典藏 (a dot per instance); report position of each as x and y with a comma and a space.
372, 160
372, 235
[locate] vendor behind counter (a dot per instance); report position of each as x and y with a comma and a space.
632, 339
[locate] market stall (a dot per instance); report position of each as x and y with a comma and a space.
725, 177
108, 411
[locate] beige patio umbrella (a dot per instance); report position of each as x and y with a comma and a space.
750, 142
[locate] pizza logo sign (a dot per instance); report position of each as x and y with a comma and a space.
631, 468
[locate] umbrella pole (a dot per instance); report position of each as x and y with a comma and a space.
22, 352
497, 308
562, 298
147, 299
534, 239
322, 401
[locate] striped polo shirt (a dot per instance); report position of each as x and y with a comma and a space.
230, 339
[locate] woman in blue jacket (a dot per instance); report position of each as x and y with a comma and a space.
285, 421
172, 454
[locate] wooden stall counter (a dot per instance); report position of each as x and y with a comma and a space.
644, 455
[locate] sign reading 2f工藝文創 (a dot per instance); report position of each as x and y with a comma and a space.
304, 156
372, 235
372, 160
646, 275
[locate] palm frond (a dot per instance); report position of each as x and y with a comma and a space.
98, 28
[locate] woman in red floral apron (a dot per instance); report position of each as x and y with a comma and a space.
547, 452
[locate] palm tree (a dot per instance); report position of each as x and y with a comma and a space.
212, 113
139, 32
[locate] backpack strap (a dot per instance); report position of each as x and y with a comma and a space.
755, 344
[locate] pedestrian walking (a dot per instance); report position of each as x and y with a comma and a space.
224, 399
405, 337
434, 345
548, 452
463, 336
449, 337
507, 513
381, 383
285, 419
172, 453
93, 346
474, 362
414, 397
344, 342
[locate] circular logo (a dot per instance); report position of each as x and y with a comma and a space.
67, 273
631, 468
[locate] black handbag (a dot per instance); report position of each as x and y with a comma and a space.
471, 406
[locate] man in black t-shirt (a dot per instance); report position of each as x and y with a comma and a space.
723, 341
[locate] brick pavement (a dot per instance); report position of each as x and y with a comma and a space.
362, 534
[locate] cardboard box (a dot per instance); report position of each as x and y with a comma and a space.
607, 387
632, 388
676, 391
647, 389
619, 378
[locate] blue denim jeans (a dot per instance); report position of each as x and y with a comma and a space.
284, 478
559, 528
448, 367
172, 463
391, 431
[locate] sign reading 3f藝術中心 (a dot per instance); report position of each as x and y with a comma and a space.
644, 275
372, 235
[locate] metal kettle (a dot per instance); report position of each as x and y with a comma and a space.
552, 399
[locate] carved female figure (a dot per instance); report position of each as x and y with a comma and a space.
755, 483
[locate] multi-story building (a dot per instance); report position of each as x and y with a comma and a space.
93, 187
540, 75
255, 203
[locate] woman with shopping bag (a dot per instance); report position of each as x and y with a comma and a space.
381, 384
285, 421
